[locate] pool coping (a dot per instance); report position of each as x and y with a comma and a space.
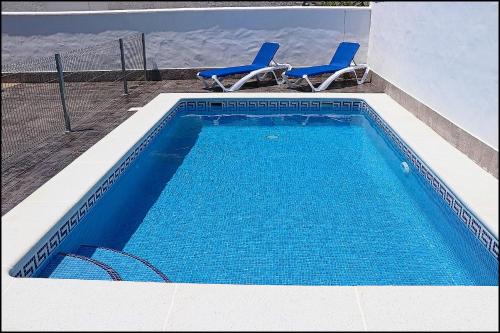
29, 221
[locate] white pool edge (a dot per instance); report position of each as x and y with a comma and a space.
29, 221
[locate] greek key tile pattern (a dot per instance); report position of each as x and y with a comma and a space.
32, 261
271, 105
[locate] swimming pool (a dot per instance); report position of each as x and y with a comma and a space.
287, 192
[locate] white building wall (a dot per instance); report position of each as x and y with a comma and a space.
57, 6
178, 38
443, 54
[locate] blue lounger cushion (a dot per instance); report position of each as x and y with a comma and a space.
220, 72
262, 60
313, 70
341, 59
345, 54
266, 54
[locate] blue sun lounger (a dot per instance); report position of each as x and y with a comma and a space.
342, 62
263, 64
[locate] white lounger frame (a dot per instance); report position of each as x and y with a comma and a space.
331, 78
259, 74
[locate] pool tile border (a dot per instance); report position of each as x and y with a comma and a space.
44, 249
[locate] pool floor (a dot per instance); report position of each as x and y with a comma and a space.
283, 200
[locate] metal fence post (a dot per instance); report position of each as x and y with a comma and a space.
62, 92
122, 55
144, 56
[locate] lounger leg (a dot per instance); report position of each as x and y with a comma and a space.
285, 79
215, 84
247, 77
289, 83
261, 77
305, 77
279, 82
241, 82
330, 79
260, 72
272, 74
337, 74
216, 80
298, 82
204, 81
365, 75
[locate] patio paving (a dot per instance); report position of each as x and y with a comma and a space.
100, 110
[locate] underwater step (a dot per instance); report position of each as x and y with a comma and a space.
74, 266
129, 266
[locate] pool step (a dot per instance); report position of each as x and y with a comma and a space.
73, 266
128, 266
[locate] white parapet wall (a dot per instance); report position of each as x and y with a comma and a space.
193, 37
444, 55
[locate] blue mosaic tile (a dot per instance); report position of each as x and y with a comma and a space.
32, 261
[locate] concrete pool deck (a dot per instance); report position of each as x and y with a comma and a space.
98, 305
82, 304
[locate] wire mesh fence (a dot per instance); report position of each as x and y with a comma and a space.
23, 121
35, 95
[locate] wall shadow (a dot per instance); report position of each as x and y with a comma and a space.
115, 218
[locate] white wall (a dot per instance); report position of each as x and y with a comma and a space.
212, 37
443, 54
57, 6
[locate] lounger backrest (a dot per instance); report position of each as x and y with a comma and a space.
266, 54
344, 54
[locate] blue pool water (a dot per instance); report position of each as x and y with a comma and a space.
280, 200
